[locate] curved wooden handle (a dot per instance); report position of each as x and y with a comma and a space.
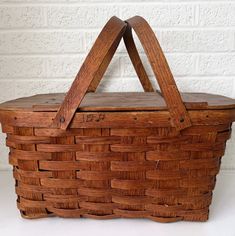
135, 59
162, 72
98, 58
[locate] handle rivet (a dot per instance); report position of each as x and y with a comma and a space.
62, 119
181, 120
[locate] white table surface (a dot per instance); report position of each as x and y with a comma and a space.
221, 221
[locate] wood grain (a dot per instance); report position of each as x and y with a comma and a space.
135, 101
109, 36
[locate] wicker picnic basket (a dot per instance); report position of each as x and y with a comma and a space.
109, 155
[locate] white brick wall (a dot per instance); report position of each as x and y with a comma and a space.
43, 43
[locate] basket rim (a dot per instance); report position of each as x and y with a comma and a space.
118, 101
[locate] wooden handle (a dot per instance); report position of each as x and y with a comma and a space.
162, 72
135, 59
99, 58
96, 61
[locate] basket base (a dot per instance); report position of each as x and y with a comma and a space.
196, 217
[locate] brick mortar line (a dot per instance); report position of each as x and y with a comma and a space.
95, 30
111, 3
120, 53
71, 78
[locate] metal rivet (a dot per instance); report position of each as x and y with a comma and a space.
62, 119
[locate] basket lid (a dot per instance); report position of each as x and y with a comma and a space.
131, 101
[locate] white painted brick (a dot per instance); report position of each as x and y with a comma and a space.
233, 41
22, 67
68, 66
120, 85
41, 42
196, 41
217, 64
90, 38
161, 15
63, 66
82, 16
124, 84
7, 90
217, 15
41, 86
114, 67
92, 1
228, 160
4, 165
109, 84
84, 1
128, 69
233, 95
214, 85
107, 1
21, 17
180, 65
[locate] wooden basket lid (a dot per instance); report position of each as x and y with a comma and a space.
131, 101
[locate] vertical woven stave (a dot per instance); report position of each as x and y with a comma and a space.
64, 173
130, 174
27, 165
96, 174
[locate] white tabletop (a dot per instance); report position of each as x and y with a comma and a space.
221, 221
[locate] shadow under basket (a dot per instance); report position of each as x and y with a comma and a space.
111, 155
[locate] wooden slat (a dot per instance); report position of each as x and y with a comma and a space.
116, 119
135, 101
57, 132
131, 148
96, 175
29, 155
200, 163
34, 174
61, 183
59, 147
131, 184
132, 165
97, 140
161, 155
94, 192
165, 174
19, 139
59, 165
96, 156
97, 206
76, 213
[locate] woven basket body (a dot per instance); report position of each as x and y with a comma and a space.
135, 159
117, 172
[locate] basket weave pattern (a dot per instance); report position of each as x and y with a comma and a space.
155, 173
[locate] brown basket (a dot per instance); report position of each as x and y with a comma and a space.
118, 155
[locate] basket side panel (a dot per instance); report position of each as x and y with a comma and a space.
156, 173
